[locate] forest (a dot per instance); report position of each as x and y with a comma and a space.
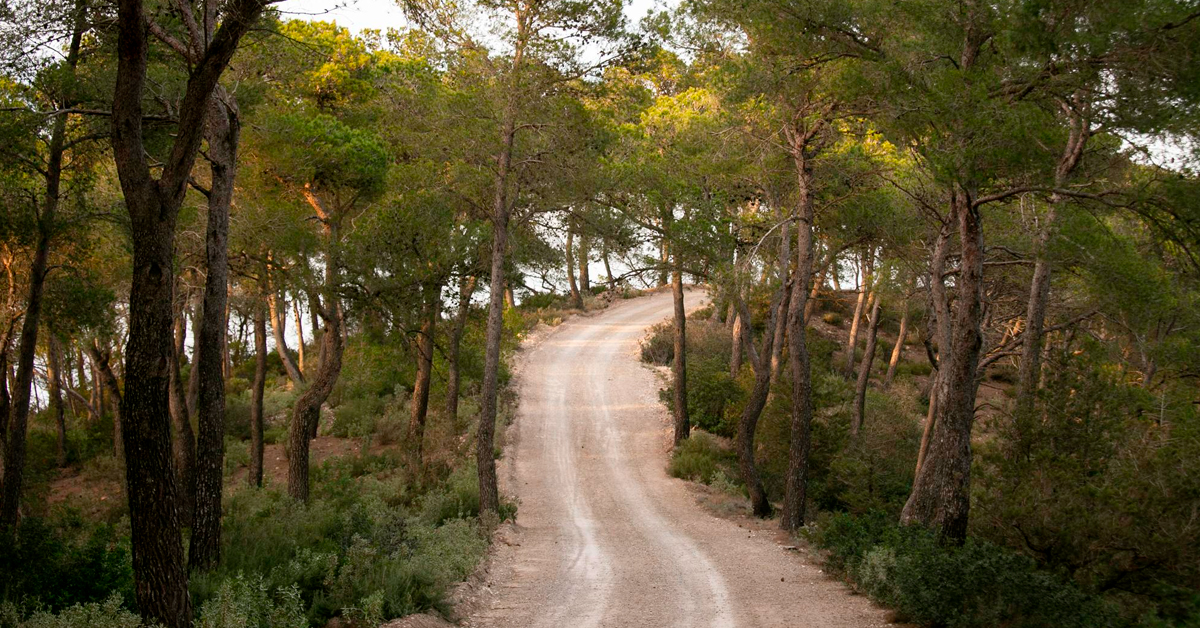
266, 282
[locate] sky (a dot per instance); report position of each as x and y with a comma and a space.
383, 14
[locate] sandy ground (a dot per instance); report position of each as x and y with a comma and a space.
603, 536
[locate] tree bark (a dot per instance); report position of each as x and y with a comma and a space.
307, 410
738, 346
864, 370
255, 475
466, 288
299, 334
748, 422
107, 380
183, 441
683, 425
585, 281
796, 490
18, 423
785, 260
612, 283
865, 300
153, 206
941, 494
430, 310
897, 350
224, 129
193, 383
54, 386
576, 297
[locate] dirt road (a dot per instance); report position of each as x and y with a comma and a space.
604, 537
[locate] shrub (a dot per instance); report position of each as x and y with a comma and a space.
833, 318
978, 584
66, 561
111, 613
248, 602
700, 458
659, 346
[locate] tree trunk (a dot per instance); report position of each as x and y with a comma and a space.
299, 334
738, 345
1039, 288
54, 388
278, 331
255, 475
663, 267
941, 495
307, 410
18, 424
576, 298
748, 422
865, 299
585, 281
785, 260
183, 441
897, 350
212, 360
430, 310
612, 283
106, 379
466, 288
153, 206
927, 433
193, 383
679, 366
226, 357
864, 370
796, 491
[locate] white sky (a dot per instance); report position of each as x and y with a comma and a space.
383, 14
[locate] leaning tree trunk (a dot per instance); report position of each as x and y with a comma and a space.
752, 411
307, 411
465, 290
897, 350
864, 371
1039, 288
852, 341
683, 425
204, 551
419, 407
277, 329
941, 496
576, 296
608, 276
255, 475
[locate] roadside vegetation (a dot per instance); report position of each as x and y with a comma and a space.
260, 279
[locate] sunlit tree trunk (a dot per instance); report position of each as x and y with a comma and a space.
897, 350
576, 298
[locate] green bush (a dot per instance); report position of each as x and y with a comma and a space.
66, 561
700, 458
248, 602
833, 318
111, 613
976, 585
659, 346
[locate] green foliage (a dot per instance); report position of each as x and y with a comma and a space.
701, 458
243, 602
978, 584
110, 613
65, 561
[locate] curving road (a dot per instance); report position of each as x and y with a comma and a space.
604, 538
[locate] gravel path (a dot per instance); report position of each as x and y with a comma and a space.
604, 538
